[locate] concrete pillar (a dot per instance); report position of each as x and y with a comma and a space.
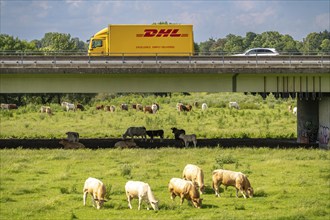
307, 120
324, 122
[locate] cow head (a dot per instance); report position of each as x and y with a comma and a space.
154, 205
197, 202
99, 203
250, 192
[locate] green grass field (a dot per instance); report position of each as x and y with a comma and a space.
257, 118
47, 184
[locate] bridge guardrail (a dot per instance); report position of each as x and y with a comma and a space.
158, 61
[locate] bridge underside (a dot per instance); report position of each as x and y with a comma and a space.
172, 81
312, 89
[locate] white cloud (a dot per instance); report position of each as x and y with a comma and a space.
74, 3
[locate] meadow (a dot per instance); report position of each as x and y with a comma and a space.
47, 184
256, 118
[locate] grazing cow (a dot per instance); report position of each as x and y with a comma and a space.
204, 106
71, 145
185, 108
195, 174
112, 108
124, 107
97, 190
177, 132
73, 136
99, 107
46, 109
136, 131
8, 106
80, 107
233, 105
188, 138
148, 109
139, 107
68, 106
178, 106
185, 190
154, 108
155, 133
142, 191
125, 144
231, 178
294, 110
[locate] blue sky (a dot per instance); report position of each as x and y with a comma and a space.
211, 19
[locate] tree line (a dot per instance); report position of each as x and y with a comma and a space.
313, 43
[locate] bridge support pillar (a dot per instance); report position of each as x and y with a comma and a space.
313, 121
324, 122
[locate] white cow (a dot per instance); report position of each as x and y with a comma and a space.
96, 189
142, 191
233, 105
195, 174
204, 106
294, 110
68, 106
154, 108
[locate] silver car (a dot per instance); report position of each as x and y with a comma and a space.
259, 52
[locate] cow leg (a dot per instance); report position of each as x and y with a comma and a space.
129, 201
140, 201
216, 187
84, 197
195, 143
181, 200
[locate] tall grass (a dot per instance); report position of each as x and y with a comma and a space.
47, 184
256, 118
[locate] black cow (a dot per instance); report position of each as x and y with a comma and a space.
155, 133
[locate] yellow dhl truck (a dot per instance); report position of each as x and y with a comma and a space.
143, 40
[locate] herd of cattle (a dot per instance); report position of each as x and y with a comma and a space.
189, 187
152, 109
72, 140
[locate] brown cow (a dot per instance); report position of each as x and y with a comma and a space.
148, 109
186, 190
231, 178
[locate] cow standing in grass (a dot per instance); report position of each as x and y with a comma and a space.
96, 189
142, 191
185, 190
231, 178
195, 174
136, 131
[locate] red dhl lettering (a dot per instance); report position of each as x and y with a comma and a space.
161, 33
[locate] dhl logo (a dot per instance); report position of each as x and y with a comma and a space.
161, 33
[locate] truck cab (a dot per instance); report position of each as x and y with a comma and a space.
98, 44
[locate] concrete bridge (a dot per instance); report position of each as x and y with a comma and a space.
304, 77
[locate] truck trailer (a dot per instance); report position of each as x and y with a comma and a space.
143, 40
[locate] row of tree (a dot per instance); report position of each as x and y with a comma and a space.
312, 43
52, 41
